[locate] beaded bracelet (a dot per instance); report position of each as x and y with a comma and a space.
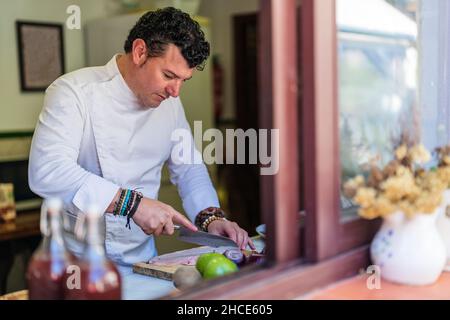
128, 204
125, 202
119, 203
208, 215
136, 201
208, 221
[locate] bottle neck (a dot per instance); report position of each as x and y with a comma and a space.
53, 241
94, 244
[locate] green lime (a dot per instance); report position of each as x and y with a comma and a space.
206, 258
219, 267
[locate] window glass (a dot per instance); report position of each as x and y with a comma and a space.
377, 82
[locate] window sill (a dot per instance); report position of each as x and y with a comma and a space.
355, 288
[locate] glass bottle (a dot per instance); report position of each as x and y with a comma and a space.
99, 277
48, 263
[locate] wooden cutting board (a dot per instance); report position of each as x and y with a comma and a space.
164, 266
160, 272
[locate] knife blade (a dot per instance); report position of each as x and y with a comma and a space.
203, 238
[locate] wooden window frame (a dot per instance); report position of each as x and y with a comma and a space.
333, 250
326, 235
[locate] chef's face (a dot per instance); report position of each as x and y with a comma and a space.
158, 78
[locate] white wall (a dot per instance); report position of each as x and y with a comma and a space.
221, 13
19, 111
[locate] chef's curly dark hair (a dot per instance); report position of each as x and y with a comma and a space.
169, 25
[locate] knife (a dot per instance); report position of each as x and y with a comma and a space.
203, 238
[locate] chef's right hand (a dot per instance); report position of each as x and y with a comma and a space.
155, 217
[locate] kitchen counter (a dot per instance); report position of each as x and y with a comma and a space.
136, 286
141, 287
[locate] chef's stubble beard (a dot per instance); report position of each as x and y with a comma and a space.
148, 105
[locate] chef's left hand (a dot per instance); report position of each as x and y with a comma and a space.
233, 231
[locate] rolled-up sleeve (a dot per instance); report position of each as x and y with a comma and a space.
191, 177
53, 168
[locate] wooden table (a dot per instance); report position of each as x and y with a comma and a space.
18, 295
26, 224
16, 236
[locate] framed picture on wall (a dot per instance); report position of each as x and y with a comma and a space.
41, 54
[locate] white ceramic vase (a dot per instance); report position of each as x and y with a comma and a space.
443, 225
409, 250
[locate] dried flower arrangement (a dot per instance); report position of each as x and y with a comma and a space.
402, 185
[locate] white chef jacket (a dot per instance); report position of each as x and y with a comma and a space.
93, 138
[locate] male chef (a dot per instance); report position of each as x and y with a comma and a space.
105, 133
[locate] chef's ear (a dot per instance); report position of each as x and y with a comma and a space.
139, 52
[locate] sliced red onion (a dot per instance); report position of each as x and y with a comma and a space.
255, 258
234, 255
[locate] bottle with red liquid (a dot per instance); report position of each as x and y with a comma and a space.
98, 277
48, 263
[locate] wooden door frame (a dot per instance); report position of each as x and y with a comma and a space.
239, 67
279, 106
